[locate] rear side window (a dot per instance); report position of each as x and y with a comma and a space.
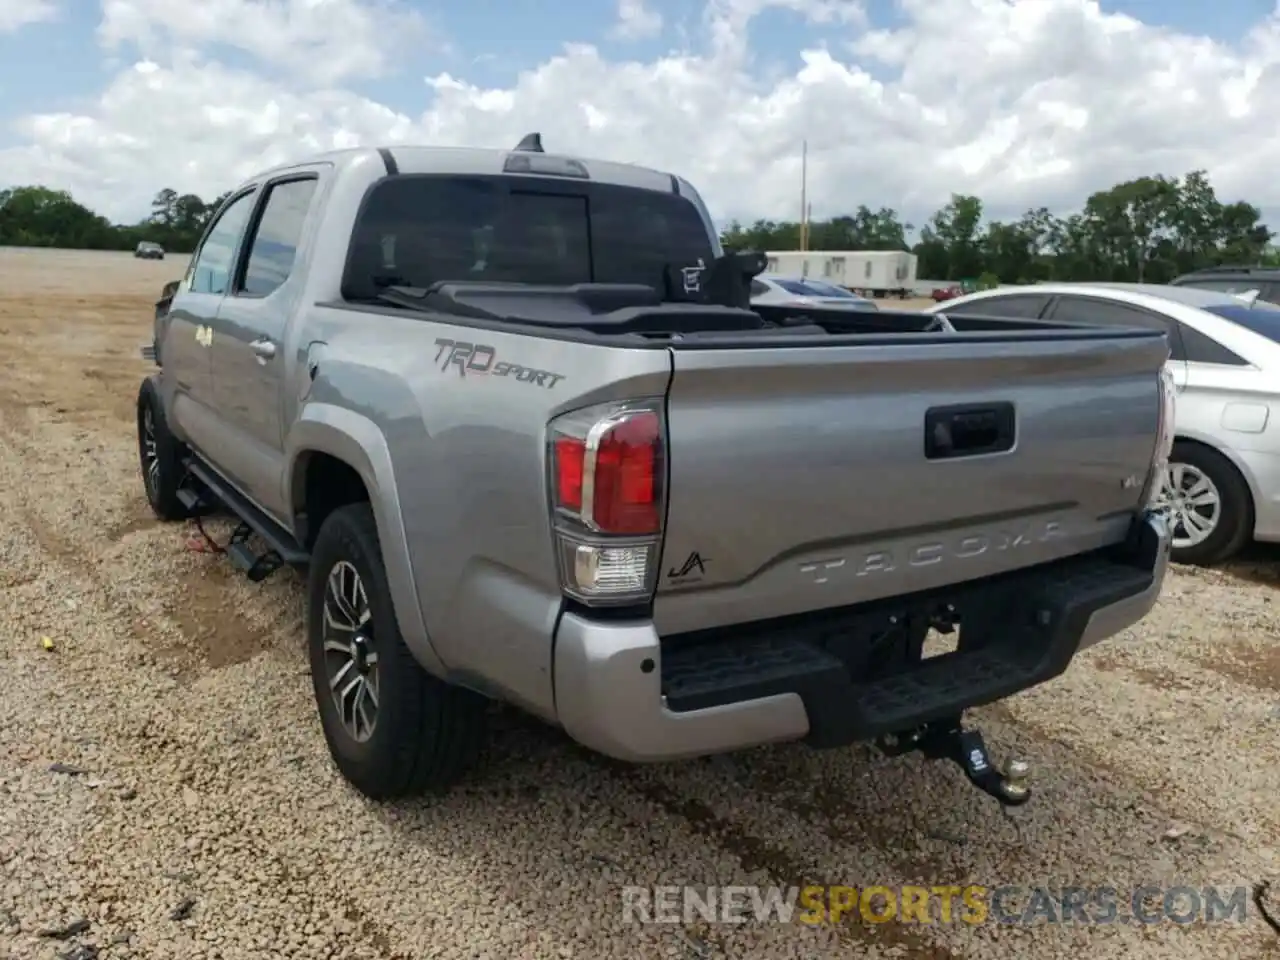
1107, 313
420, 230
275, 242
1202, 349
1016, 305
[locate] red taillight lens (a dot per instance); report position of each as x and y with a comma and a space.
570, 453
625, 488
606, 478
613, 481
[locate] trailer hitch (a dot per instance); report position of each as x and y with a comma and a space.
950, 740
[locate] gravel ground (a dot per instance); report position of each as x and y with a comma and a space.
195, 813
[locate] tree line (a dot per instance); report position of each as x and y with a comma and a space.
42, 217
1151, 228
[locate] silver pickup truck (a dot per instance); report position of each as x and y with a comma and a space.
513, 415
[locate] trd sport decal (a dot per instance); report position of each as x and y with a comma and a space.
477, 358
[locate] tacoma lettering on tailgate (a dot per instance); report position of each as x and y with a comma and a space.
479, 358
930, 552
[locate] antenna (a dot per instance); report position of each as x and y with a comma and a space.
804, 189
531, 143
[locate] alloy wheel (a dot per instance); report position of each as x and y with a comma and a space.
351, 662
150, 453
1193, 503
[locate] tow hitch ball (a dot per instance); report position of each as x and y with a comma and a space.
949, 740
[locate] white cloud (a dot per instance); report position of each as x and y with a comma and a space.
15, 14
1062, 100
324, 41
636, 21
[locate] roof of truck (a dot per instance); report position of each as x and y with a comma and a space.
411, 158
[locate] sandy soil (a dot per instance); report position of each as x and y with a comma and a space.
197, 814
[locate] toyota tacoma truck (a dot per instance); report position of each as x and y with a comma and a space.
513, 417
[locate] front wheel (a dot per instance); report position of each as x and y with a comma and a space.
159, 456
392, 728
1209, 505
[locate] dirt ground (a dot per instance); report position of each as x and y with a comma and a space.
163, 778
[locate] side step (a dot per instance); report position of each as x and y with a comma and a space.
282, 548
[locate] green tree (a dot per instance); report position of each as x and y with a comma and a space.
1149, 228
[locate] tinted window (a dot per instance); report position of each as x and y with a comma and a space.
821, 289
1110, 314
1020, 305
419, 230
796, 287
1260, 318
212, 265
275, 244
1202, 349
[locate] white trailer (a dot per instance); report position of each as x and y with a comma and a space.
877, 273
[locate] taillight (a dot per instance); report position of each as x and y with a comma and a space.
1165, 431
607, 474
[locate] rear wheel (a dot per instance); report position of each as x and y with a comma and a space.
159, 456
392, 728
1210, 507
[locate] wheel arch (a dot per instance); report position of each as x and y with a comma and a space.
1250, 482
347, 448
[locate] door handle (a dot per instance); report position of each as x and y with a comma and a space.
265, 349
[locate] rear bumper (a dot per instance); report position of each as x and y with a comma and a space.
616, 694
1262, 471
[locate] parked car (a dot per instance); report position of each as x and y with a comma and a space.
940, 294
149, 251
1240, 280
1223, 485
804, 290
516, 417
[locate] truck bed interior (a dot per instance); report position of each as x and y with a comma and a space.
641, 314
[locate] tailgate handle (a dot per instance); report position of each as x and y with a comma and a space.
970, 430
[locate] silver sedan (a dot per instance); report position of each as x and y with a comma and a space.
1223, 483
807, 291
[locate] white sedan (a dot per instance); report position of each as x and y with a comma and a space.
1223, 483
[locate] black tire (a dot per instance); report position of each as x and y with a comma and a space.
1235, 518
427, 733
162, 481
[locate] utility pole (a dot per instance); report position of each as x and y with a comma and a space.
804, 195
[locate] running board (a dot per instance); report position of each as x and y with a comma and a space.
279, 541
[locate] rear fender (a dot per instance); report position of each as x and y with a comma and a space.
357, 441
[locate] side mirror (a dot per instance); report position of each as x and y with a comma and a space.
169, 289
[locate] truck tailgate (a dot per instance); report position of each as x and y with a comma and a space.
801, 478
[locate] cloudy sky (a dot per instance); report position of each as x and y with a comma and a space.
1024, 102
